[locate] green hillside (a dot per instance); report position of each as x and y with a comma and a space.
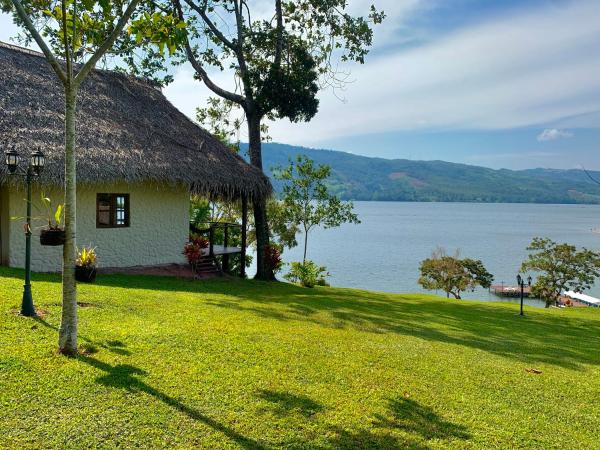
362, 178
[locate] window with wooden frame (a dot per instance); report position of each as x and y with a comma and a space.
112, 210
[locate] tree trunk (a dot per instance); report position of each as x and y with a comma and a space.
263, 272
244, 238
305, 246
67, 338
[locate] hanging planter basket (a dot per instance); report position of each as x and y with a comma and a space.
85, 274
52, 237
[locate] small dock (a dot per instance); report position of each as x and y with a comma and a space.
581, 299
510, 291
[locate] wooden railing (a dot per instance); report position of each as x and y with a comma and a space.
210, 233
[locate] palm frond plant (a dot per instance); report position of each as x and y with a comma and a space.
54, 234
86, 264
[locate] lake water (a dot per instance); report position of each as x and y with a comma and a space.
383, 252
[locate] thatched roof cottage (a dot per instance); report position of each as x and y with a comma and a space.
138, 160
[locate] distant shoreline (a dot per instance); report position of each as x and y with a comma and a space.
472, 203
363, 178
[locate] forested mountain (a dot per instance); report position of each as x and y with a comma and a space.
363, 178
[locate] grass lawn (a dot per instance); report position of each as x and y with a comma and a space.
243, 364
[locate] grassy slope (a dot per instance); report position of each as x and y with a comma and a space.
243, 364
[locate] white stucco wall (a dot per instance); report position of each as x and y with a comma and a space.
159, 227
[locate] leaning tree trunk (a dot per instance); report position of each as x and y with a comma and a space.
263, 272
67, 340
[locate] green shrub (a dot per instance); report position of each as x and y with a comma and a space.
307, 274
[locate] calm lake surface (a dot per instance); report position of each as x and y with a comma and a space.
383, 252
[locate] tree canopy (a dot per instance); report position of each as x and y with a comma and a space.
306, 200
452, 274
561, 267
279, 57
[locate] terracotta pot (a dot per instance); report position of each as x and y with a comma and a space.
52, 237
85, 274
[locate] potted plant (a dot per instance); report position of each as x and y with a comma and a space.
53, 235
85, 267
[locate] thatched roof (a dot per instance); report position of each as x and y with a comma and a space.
127, 131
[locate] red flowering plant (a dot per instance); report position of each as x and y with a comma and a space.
201, 241
193, 250
273, 258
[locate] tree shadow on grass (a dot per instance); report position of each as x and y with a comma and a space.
408, 424
285, 403
405, 424
89, 345
125, 376
557, 339
410, 416
540, 336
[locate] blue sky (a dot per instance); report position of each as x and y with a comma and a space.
498, 83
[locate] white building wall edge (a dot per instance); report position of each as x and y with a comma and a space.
4, 223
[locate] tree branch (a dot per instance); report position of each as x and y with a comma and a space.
236, 98
279, 44
590, 176
68, 57
108, 43
210, 23
40, 42
239, 52
245, 4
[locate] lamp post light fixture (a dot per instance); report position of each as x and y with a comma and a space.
521, 283
36, 164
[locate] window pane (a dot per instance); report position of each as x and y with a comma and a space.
112, 210
104, 212
120, 217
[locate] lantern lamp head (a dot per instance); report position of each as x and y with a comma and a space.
519, 279
38, 161
529, 280
12, 160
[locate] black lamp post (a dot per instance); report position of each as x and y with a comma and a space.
36, 164
521, 282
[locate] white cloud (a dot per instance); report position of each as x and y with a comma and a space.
533, 69
552, 134
536, 68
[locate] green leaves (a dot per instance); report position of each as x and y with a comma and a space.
307, 274
58, 214
85, 24
329, 30
163, 30
286, 89
216, 117
278, 65
452, 274
561, 267
306, 199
